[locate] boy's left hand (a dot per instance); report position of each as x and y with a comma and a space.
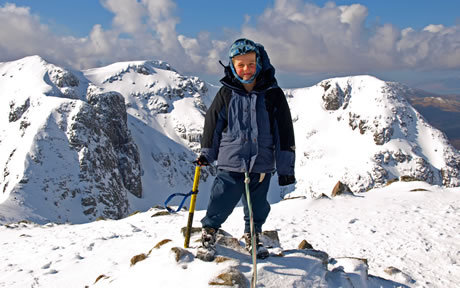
284, 180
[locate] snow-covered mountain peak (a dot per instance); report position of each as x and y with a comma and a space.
117, 71
67, 154
33, 76
361, 131
159, 96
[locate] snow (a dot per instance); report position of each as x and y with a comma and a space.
411, 226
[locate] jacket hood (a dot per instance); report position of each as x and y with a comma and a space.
266, 78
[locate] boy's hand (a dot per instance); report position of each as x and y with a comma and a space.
284, 180
201, 160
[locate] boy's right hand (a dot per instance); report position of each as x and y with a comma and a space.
201, 160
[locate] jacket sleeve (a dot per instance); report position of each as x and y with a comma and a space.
214, 123
284, 136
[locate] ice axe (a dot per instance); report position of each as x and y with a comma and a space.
191, 211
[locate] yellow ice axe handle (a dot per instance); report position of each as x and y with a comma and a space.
191, 210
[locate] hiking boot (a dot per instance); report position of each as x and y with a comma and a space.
207, 250
261, 251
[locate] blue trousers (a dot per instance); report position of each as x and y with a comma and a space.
228, 188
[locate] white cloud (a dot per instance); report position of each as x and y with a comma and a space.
434, 28
306, 38
129, 15
299, 37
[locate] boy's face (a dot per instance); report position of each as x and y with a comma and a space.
245, 65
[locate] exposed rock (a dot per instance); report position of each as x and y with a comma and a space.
419, 190
340, 189
111, 111
379, 175
161, 213
17, 112
230, 242
231, 277
333, 98
65, 83
424, 171
323, 196
102, 276
304, 245
354, 122
398, 275
161, 243
138, 258
64, 78
406, 178
383, 135
182, 255
222, 259
99, 166
270, 238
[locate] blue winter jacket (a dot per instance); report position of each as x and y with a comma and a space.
250, 131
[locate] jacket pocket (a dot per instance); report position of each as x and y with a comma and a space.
231, 139
265, 160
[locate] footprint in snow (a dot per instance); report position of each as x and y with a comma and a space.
79, 257
90, 247
352, 221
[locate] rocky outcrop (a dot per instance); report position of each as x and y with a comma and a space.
111, 114
108, 157
333, 98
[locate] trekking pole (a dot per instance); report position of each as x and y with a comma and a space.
253, 234
191, 211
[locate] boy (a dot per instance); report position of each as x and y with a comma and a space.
248, 128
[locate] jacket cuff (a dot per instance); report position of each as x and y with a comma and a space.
209, 154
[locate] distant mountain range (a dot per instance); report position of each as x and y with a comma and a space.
104, 142
442, 111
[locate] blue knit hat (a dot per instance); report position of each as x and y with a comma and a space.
240, 47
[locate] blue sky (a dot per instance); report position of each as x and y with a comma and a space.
306, 40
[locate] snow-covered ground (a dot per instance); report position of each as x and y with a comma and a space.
411, 226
